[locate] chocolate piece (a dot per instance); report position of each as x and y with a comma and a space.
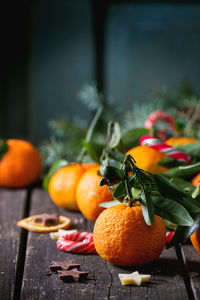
48, 220
72, 275
64, 265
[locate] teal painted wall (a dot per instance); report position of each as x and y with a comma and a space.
49, 54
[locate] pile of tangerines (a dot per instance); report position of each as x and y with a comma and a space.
121, 235
119, 229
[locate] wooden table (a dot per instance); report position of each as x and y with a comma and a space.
26, 256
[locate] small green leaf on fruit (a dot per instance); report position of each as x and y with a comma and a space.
109, 204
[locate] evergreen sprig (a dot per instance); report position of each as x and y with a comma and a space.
67, 133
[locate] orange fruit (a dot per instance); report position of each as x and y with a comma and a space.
147, 158
88, 166
90, 194
196, 180
175, 141
195, 239
122, 237
20, 165
63, 184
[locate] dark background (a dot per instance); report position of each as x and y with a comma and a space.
50, 49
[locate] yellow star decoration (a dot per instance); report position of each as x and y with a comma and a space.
133, 278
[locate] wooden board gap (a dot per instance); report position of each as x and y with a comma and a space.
22, 250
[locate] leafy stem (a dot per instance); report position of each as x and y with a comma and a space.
90, 132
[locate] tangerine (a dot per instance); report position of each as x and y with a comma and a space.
63, 184
196, 180
122, 237
195, 239
90, 194
175, 141
20, 165
147, 158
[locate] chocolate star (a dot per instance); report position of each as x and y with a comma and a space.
72, 275
64, 265
48, 219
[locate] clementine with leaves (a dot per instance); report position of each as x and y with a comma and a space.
122, 237
20, 164
64, 182
147, 159
90, 194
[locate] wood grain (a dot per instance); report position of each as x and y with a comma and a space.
12, 204
192, 259
103, 281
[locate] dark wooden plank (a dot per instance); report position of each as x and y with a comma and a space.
41, 250
166, 281
103, 282
12, 203
192, 259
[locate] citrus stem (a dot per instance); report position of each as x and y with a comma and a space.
90, 132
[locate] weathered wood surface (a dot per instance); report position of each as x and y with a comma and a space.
12, 207
103, 281
26, 256
192, 259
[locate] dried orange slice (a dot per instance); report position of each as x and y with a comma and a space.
30, 224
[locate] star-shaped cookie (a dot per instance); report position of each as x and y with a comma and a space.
72, 275
133, 278
63, 265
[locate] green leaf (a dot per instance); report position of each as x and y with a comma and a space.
172, 211
183, 185
90, 131
194, 227
116, 136
112, 172
196, 192
147, 207
131, 138
116, 155
184, 232
136, 193
3, 148
55, 167
169, 190
192, 149
183, 171
169, 225
109, 204
94, 150
114, 163
170, 162
120, 190
93, 124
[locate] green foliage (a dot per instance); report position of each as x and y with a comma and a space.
172, 199
183, 171
68, 133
